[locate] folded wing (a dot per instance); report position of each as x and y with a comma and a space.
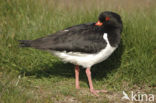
79, 38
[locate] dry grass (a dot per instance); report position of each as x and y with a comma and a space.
89, 5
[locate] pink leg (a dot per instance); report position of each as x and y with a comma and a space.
77, 77
88, 73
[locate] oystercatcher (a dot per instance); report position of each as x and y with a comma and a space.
84, 44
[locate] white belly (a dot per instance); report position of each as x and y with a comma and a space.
84, 59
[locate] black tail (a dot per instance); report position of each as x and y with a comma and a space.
24, 43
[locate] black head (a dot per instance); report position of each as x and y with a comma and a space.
109, 19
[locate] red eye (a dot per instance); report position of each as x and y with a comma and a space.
107, 18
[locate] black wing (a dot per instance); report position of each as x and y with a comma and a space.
80, 38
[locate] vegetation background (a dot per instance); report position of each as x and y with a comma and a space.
32, 76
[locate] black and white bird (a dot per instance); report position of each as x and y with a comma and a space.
84, 44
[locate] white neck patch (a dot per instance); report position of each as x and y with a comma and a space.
105, 37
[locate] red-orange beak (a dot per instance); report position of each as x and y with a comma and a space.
99, 23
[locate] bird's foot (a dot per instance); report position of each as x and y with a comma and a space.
77, 87
95, 92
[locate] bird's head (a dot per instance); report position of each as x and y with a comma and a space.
108, 18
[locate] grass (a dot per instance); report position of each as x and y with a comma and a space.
29, 75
